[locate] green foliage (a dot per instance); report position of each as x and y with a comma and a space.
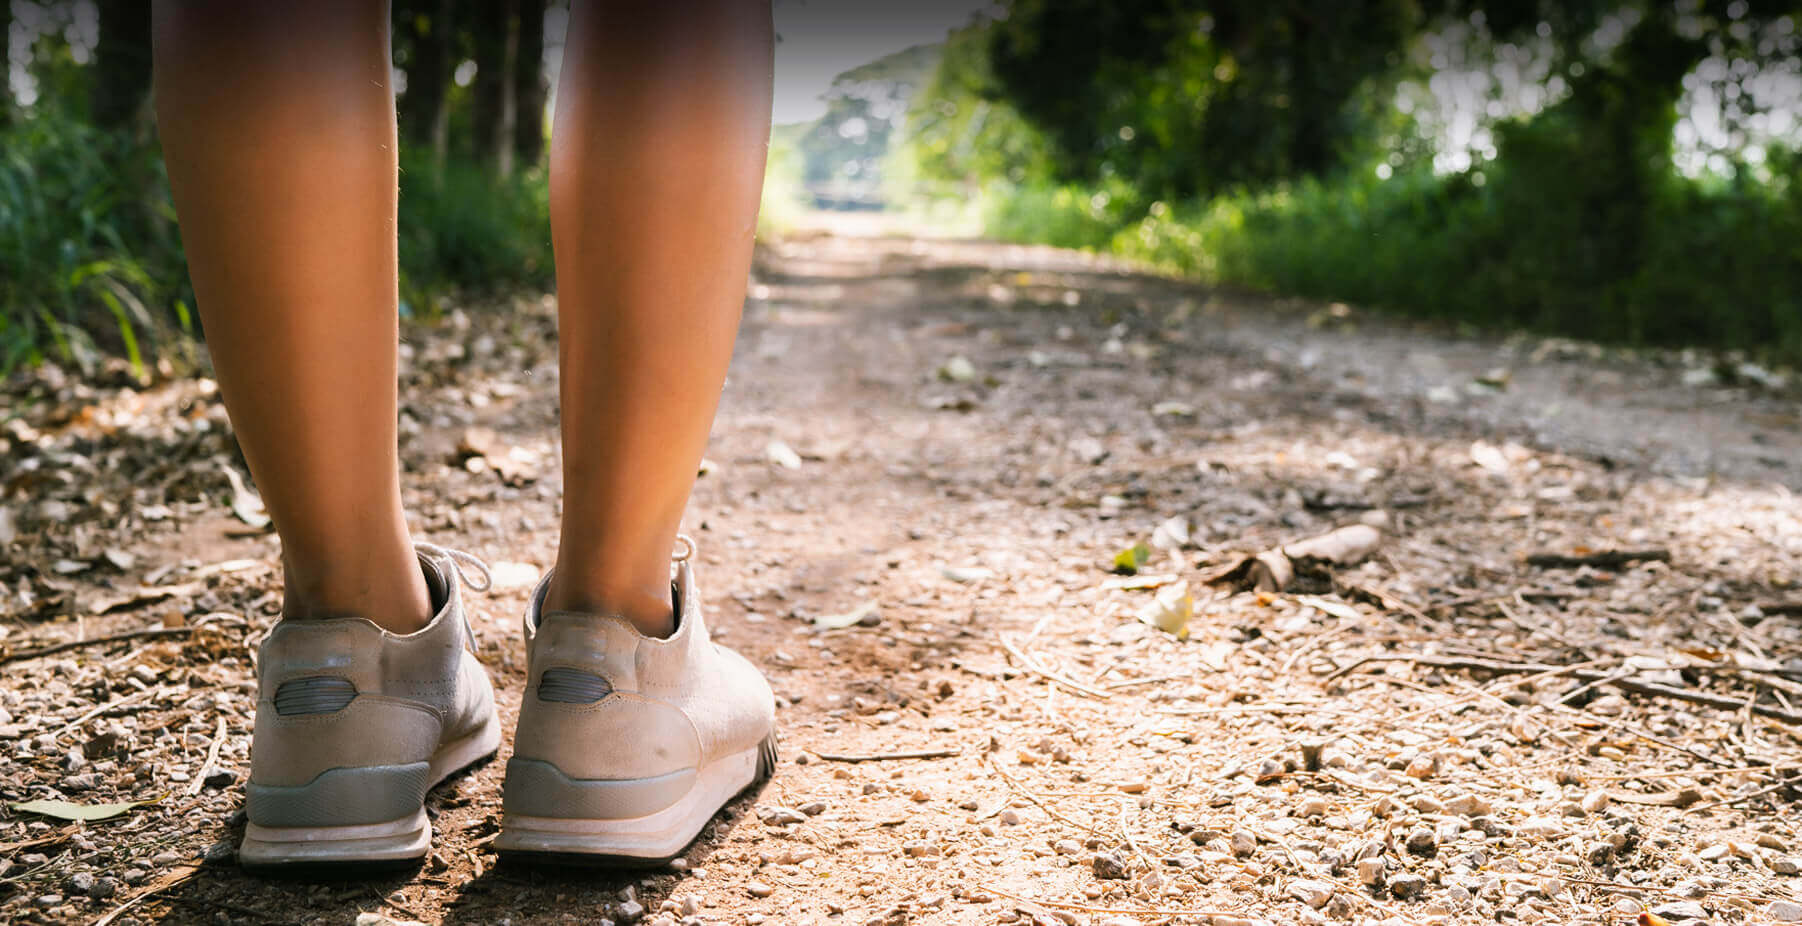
91, 265
1188, 96
462, 229
89, 262
1579, 225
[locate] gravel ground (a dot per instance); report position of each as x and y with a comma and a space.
1564, 687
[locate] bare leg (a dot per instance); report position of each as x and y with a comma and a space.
657, 158
277, 120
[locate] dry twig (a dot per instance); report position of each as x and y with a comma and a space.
889, 756
95, 641
1614, 681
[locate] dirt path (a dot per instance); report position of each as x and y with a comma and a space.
980, 430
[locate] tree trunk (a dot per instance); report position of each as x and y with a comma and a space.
497, 55
6, 65
429, 29
530, 87
121, 65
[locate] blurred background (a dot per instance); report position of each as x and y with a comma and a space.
1619, 171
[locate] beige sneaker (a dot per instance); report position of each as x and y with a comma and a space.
354, 724
628, 745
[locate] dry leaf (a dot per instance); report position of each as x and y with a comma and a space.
1327, 605
958, 369
782, 455
863, 613
966, 573
64, 810
245, 503
1171, 610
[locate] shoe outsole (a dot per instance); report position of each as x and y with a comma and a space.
516, 846
353, 851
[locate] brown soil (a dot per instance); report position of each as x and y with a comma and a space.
981, 429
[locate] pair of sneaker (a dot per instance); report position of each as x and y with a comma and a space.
626, 746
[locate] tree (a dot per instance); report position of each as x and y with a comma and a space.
530, 87
425, 40
6, 94
495, 112
121, 65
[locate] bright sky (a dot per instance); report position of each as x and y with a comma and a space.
821, 39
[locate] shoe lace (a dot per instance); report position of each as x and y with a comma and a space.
459, 560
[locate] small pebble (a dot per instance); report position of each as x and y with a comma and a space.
221, 852
1243, 843
1108, 866
1371, 871
1681, 911
1313, 893
1468, 805
759, 889
1786, 865
1067, 847
782, 816
103, 888
81, 882
1422, 842
814, 809
1784, 911
630, 911
1407, 886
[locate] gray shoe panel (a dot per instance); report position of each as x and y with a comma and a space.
536, 788
343, 797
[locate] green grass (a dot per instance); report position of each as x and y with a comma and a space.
1717, 265
91, 266
89, 262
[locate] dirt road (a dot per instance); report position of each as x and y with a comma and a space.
929, 456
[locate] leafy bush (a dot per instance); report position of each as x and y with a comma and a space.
463, 229
89, 262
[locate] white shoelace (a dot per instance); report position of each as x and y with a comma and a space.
458, 560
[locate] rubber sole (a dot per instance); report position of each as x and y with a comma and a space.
637, 841
393, 844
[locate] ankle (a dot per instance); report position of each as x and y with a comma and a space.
395, 596
648, 610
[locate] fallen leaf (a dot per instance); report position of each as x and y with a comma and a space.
1173, 534
850, 618
64, 810
967, 573
1489, 456
1130, 560
245, 503
1171, 610
782, 455
1679, 799
958, 369
1327, 605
